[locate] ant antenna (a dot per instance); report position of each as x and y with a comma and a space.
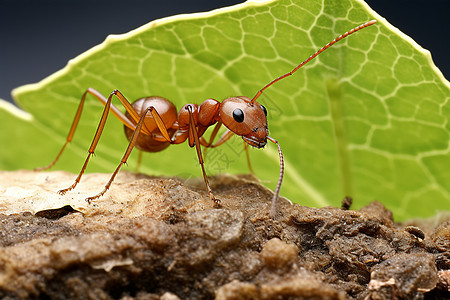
314, 55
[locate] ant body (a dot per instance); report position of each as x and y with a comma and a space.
152, 124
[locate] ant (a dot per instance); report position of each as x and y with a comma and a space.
152, 124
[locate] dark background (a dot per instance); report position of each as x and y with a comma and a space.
37, 38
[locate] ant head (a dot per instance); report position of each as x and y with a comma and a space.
247, 119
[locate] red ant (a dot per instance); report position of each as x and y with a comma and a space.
163, 126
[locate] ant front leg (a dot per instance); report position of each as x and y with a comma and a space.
211, 139
225, 137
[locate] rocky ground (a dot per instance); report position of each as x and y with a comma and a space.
153, 238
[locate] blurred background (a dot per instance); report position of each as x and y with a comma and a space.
37, 38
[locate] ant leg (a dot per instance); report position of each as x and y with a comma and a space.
100, 127
133, 139
211, 139
213, 134
102, 99
116, 112
69, 136
194, 134
225, 137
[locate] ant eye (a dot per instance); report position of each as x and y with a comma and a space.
264, 109
238, 115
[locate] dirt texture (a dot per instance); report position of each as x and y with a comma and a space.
162, 238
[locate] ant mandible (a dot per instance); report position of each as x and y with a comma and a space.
154, 132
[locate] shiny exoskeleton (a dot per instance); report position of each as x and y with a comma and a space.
153, 123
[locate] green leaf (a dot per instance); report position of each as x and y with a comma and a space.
367, 118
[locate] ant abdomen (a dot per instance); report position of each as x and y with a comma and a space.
168, 112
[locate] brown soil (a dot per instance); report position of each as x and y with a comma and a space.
153, 238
